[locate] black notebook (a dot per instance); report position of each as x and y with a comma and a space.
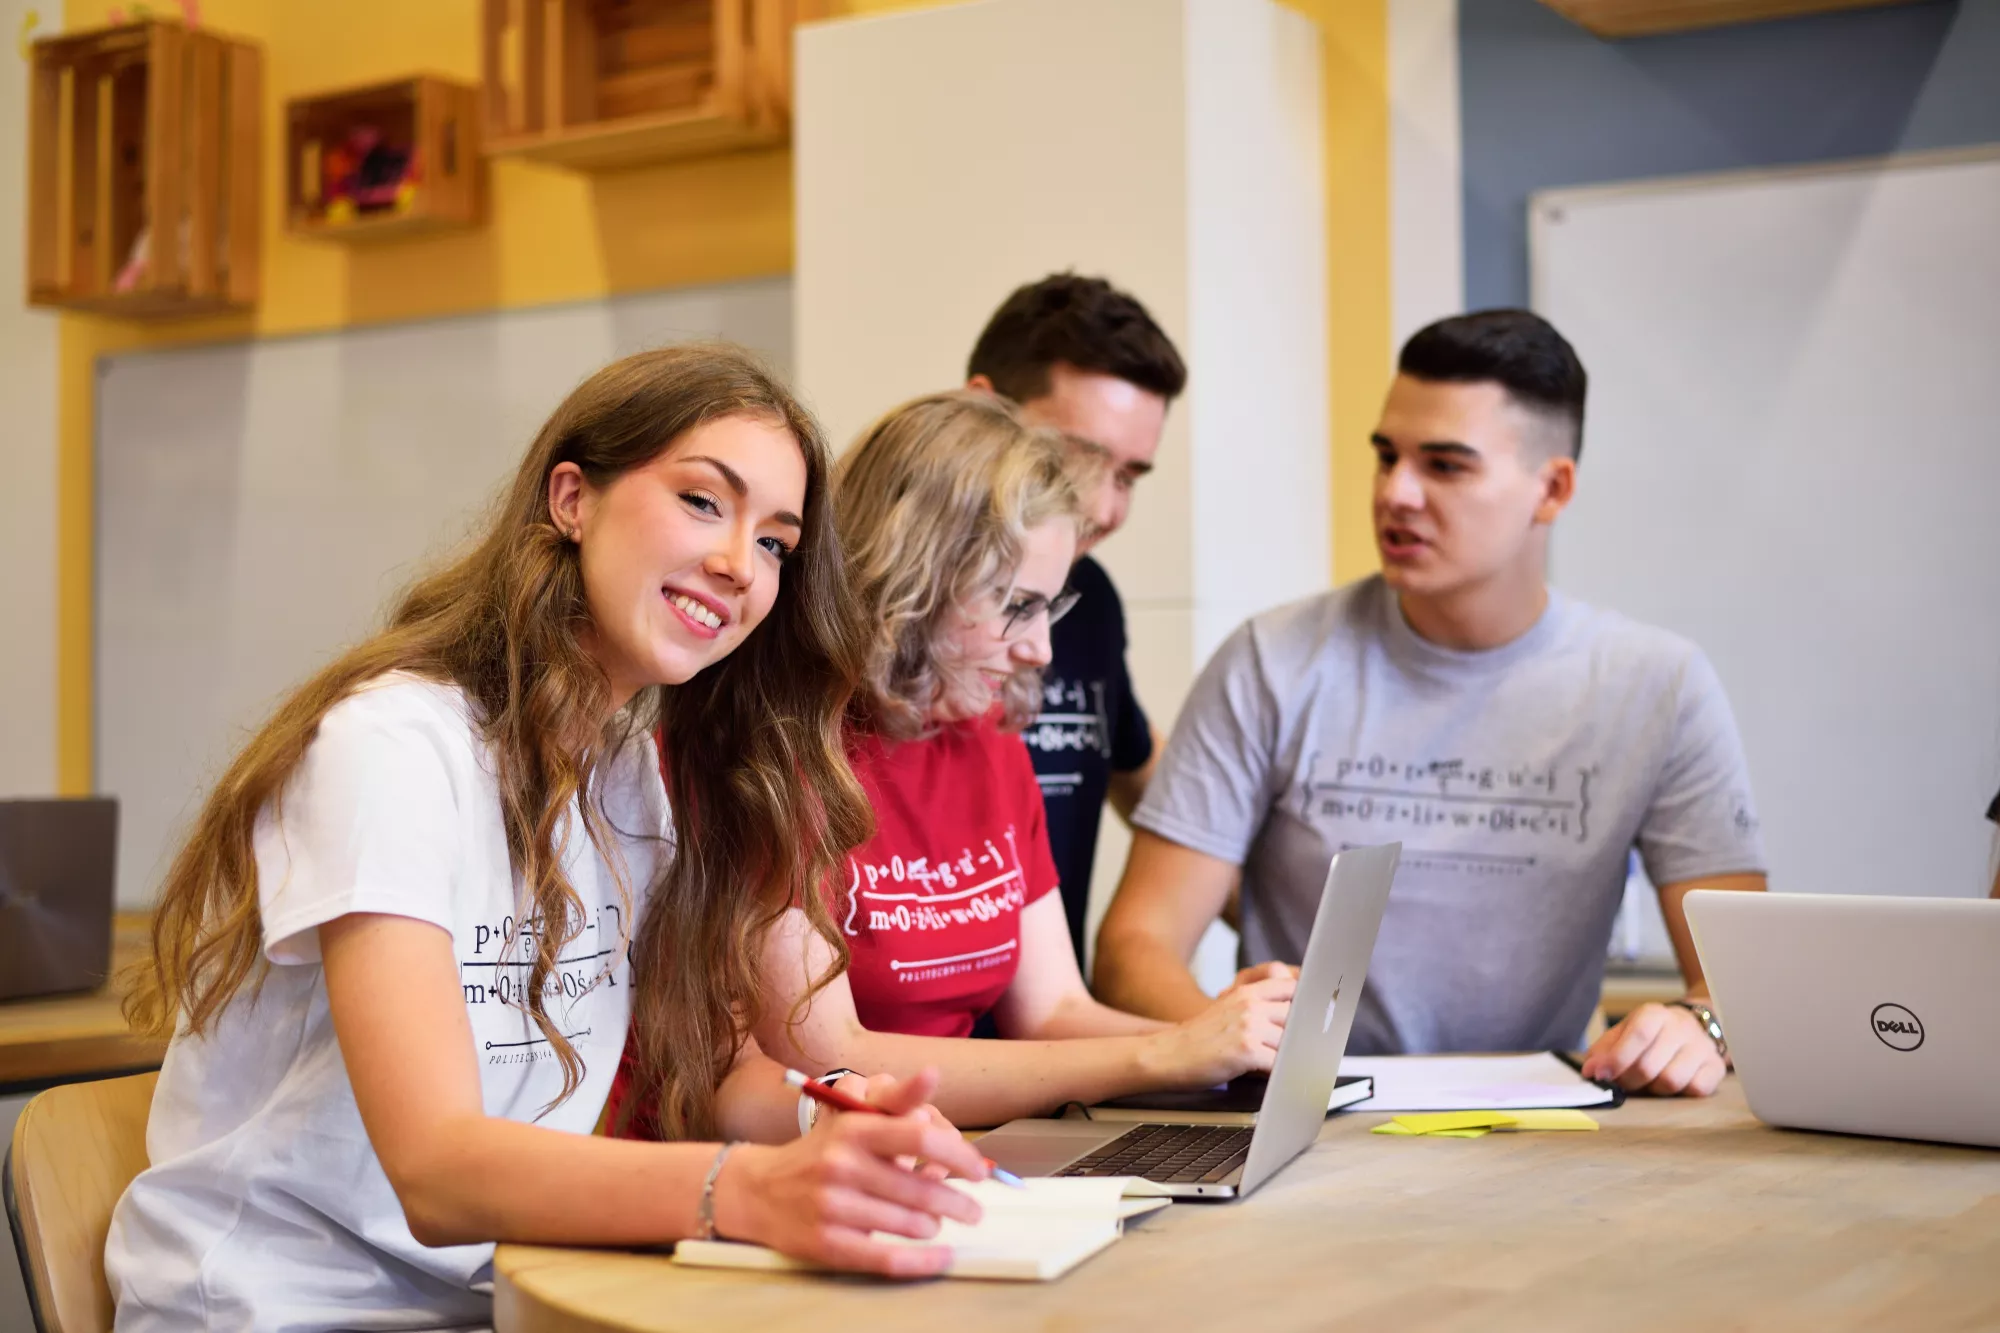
1234, 1103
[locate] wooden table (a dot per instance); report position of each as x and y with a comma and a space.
78, 1036
1682, 1215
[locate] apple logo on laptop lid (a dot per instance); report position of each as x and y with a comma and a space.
1332, 1005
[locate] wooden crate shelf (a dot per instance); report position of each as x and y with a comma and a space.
408, 160
1646, 18
600, 84
144, 162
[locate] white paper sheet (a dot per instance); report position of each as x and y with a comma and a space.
1472, 1083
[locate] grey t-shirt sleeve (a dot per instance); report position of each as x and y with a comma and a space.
1702, 820
1211, 791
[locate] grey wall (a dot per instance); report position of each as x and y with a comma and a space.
1545, 104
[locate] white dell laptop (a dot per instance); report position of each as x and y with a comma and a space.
1861, 1015
1223, 1161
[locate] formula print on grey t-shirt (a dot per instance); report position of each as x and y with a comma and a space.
1515, 802
1517, 779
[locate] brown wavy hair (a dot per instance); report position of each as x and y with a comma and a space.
931, 503
756, 742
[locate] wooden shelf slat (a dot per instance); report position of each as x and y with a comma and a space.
1646, 18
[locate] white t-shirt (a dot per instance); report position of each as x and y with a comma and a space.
265, 1206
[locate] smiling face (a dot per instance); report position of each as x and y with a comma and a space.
1115, 415
681, 556
983, 652
1467, 482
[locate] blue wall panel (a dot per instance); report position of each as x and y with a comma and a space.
1546, 104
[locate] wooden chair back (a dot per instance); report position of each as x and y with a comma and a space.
76, 1148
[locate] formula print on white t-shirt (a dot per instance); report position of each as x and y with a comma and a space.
502, 965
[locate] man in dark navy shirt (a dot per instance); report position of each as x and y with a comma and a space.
1992, 813
1081, 357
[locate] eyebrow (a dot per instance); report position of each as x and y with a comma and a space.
742, 489
1429, 446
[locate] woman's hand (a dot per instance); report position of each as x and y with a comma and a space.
887, 1092
1235, 1035
819, 1197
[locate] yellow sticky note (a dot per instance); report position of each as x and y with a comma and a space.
1436, 1122
1551, 1119
1391, 1127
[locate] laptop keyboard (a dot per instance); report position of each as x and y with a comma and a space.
1168, 1154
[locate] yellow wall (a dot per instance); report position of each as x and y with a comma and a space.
554, 235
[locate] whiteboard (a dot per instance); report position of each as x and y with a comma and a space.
1792, 457
259, 504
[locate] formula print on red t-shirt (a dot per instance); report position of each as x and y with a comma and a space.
932, 907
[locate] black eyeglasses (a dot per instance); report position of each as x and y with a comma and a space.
1022, 609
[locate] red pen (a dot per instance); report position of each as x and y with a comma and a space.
845, 1101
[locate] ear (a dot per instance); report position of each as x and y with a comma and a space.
1558, 480
566, 500
981, 383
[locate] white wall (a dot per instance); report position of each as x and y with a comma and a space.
946, 156
27, 457
261, 504
1792, 397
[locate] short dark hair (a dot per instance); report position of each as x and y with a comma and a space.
1516, 349
1085, 322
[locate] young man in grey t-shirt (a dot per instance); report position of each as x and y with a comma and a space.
1519, 744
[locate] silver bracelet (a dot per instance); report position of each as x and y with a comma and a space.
705, 1213
1705, 1015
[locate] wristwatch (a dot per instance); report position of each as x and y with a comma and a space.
808, 1108
1709, 1023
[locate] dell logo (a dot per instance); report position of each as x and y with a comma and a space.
1327, 1022
1896, 1027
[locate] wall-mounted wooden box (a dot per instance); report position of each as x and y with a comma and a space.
382, 161
599, 84
144, 161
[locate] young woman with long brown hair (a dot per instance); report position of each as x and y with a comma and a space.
960, 524
398, 951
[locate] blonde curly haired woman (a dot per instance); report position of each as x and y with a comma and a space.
959, 524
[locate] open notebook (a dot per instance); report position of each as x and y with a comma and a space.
1027, 1235
1475, 1083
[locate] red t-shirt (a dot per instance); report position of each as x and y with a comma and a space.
932, 905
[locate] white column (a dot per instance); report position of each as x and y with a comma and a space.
1426, 165
946, 156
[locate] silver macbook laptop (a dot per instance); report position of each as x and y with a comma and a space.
56, 886
1223, 1161
1862, 1015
